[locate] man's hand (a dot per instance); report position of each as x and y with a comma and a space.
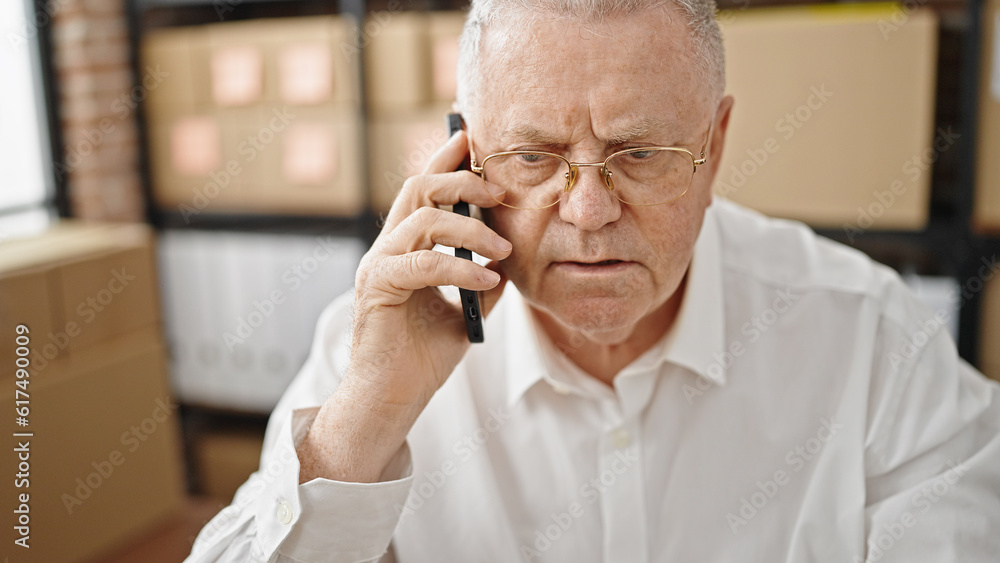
407, 339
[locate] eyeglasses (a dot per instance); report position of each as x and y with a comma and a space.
641, 176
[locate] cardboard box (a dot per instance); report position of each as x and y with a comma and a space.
397, 61
89, 386
236, 62
248, 134
312, 168
199, 162
443, 33
104, 457
225, 461
108, 294
986, 214
268, 159
24, 299
79, 285
401, 146
307, 63
180, 55
183, 151
169, 50
65, 240
834, 115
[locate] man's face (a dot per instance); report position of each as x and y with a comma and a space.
585, 91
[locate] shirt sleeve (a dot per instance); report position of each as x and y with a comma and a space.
273, 518
932, 453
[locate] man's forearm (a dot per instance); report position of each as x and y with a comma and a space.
353, 437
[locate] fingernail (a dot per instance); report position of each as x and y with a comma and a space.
502, 244
491, 276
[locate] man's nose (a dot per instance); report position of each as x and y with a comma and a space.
589, 204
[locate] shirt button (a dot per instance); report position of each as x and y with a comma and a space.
561, 389
621, 439
284, 513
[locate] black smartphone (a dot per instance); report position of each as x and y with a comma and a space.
470, 299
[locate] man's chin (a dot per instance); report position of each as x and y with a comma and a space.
601, 319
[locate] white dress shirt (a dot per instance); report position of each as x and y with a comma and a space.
803, 407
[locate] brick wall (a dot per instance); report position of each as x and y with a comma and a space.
97, 106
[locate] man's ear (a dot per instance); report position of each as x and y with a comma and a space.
719, 129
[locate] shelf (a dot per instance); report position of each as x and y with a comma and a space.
360, 226
221, 6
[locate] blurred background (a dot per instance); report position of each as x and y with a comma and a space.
187, 183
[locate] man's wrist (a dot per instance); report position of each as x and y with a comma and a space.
354, 436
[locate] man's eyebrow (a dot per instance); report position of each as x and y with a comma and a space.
638, 129
531, 135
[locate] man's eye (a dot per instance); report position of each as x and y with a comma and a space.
639, 155
531, 158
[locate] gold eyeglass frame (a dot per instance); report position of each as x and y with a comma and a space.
574, 170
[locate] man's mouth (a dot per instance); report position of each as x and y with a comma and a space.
597, 269
596, 265
601, 263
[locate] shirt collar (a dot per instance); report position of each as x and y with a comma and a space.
525, 362
698, 336
694, 342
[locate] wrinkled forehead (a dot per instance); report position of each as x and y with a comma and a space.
560, 74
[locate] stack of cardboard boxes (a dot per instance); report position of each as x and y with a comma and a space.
263, 116
410, 62
101, 455
256, 116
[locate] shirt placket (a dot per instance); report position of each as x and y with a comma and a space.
620, 483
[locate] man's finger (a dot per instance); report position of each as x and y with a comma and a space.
429, 268
418, 191
489, 298
427, 227
439, 190
450, 155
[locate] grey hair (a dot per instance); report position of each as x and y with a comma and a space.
706, 39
